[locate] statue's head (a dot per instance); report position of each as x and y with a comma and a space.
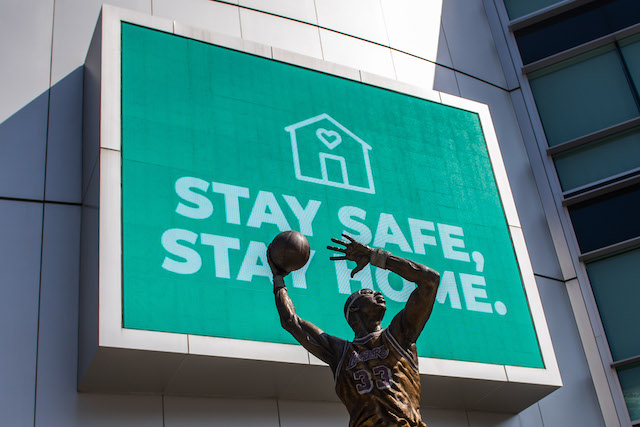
364, 305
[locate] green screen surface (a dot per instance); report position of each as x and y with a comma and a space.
222, 150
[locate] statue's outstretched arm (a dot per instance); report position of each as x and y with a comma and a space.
407, 325
322, 345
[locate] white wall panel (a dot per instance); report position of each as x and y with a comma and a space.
206, 14
211, 412
87, 294
302, 10
534, 224
578, 390
72, 29
280, 32
412, 70
23, 139
531, 417
57, 399
413, 26
501, 44
360, 18
101, 410
470, 41
356, 53
20, 234
64, 144
445, 78
485, 419
315, 64
540, 174
445, 81
25, 31
444, 417
444, 56
312, 414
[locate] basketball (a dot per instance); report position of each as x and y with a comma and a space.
289, 251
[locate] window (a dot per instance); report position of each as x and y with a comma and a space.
607, 220
582, 95
574, 27
615, 285
518, 8
630, 48
630, 381
599, 160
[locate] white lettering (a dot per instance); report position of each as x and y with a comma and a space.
192, 261
257, 251
448, 287
305, 215
388, 223
449, 242
362, 232
203, 208
267, 210
471, 293
231, 195
420, 240
221, 246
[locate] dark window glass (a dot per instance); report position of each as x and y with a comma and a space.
518, 8
607, 220
582, 95
630, 51
630, 383
598, 160
576, 27
614, 281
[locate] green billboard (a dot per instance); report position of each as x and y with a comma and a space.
222, 150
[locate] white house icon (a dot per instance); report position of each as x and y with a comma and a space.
325, 152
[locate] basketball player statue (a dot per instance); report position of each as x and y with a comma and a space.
376, 375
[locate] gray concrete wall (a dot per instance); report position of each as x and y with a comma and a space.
43, 48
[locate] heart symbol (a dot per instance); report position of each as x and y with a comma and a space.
329, 138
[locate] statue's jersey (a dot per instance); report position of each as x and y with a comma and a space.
379, 383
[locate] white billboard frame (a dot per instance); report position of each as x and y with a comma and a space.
105, 60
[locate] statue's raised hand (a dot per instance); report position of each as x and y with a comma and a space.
353, 251
274, 268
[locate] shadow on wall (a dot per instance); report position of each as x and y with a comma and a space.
45, 135
444, 79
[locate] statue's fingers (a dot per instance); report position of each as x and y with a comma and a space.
357, 270
349, 238
337, 258
340, 242
333, 248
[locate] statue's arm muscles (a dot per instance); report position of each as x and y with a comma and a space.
322, 345
410, 321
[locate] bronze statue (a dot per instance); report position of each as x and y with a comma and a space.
376, 375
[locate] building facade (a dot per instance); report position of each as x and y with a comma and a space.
559, 79
577, 63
